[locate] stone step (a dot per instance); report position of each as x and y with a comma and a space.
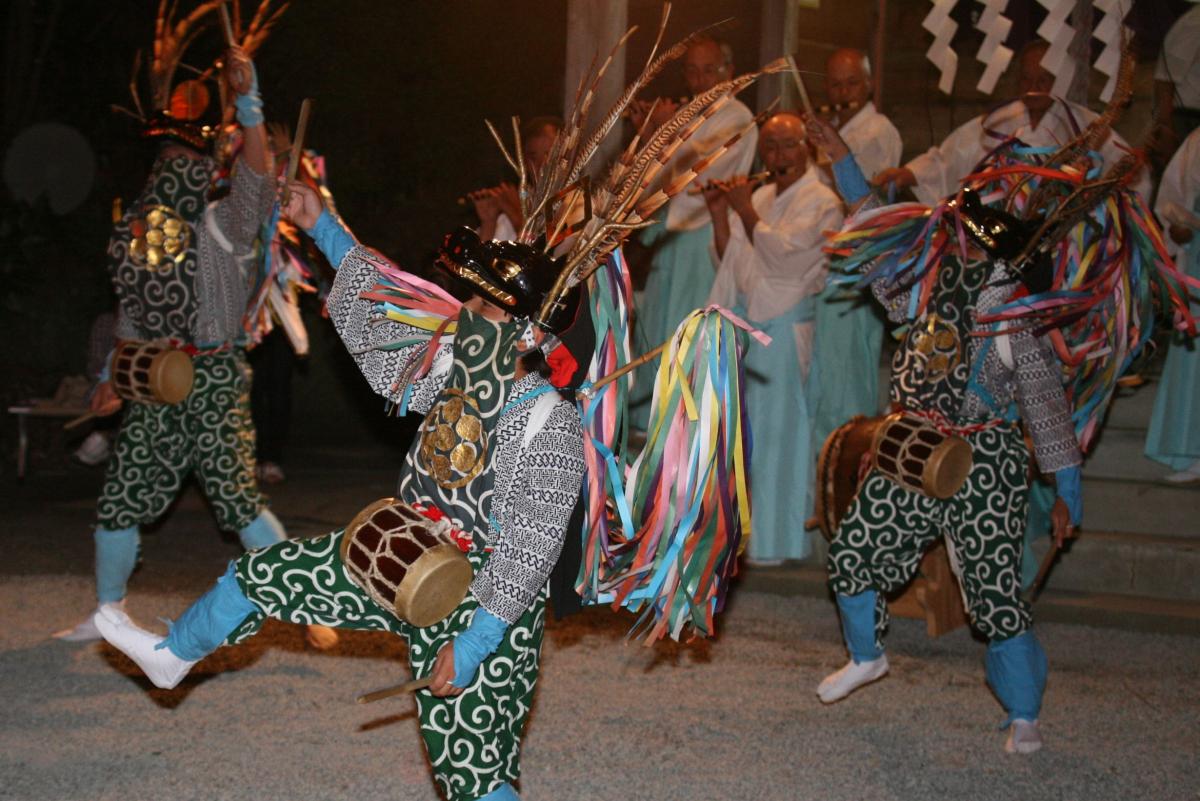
1119, 453
1145, 507
1121, 563
1131, 408
1105, 609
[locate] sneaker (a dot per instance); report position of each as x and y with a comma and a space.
853, 675
94, 450
164, 669
87, 631
270, 473
1023, 737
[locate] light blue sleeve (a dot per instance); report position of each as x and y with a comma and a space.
332, 237
851, 183
1069, 484
250, 106
477, 643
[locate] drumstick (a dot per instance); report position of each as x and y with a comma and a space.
1043, 571
297, 145
227, 25
78, 421
399, 689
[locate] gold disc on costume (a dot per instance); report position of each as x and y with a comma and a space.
159, 239
939, 343
453, 447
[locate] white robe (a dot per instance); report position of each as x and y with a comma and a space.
687, 212
1177, 192
940, 169
872, 139
1179, 61
785, 263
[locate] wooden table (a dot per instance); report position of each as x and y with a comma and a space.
40, 409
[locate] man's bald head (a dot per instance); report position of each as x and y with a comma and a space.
1034, 82
848, 77
706, 63
783, 146
787, 122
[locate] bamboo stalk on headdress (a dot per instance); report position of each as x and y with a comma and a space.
648, 356
795, 71
227, 25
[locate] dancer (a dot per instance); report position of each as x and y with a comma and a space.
972, 363
194, 298
500, 458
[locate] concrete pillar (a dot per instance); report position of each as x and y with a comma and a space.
593, 28
780, 29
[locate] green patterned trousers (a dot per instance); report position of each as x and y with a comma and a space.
209, 432
885, 532
473, 740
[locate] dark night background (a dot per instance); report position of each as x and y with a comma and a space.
402, 90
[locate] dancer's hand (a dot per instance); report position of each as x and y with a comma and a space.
1060, 519
1180, 234
487, 205
105, 400
823, 135
239, 70
900, 177
443, 673
303, 206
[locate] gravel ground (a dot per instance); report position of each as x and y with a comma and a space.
732, 718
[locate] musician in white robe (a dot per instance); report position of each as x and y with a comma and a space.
849, 325
1036, 118
770, 268
681, 274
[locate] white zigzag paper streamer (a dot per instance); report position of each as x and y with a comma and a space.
938, 23
1109, 32
1055, 30
992, 52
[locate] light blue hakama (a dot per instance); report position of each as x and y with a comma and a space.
845, 362
1174, 435
783, 464
679, 282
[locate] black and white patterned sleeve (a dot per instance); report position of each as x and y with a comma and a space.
241, 214
893, 300
545, 489
1043, 403
387, 352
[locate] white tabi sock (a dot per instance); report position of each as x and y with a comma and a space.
853, 675
164, 669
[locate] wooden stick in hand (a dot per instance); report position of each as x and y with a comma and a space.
297, 146
399, 689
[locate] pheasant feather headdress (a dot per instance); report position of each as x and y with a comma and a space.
559, 203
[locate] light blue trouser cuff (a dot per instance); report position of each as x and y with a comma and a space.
204, 625
477, 643
116, 556
858, 625
1016, 671
504, 792
263, 531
